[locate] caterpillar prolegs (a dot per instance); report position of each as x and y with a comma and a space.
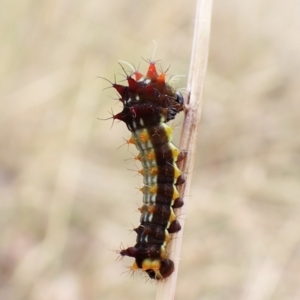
149, 102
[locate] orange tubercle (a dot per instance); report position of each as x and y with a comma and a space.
161, 78
152, 73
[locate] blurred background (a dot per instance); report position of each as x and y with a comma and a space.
68, 190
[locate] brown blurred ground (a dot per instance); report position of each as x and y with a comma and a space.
67, 198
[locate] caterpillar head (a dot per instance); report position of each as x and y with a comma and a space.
148, 100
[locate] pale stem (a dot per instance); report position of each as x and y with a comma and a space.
166, 289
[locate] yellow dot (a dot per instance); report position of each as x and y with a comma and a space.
144, 137
175, 193
175, 152
167, 237
151, 264
177, 172
150, 155
153, 189
169, 132
163, 253
155, 264
153, 171
172, 216
146, 264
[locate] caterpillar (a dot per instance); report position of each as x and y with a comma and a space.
149, 102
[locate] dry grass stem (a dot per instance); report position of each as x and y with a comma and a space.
166, 289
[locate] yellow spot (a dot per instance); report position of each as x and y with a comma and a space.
149, 171
156, 265
146, 264
163, 253
149, 189
175, 193
150, 155
169, 131
177, 172
167, 237
153, 189
153, 171
144, 136
150, 264
175, 152
172, 216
